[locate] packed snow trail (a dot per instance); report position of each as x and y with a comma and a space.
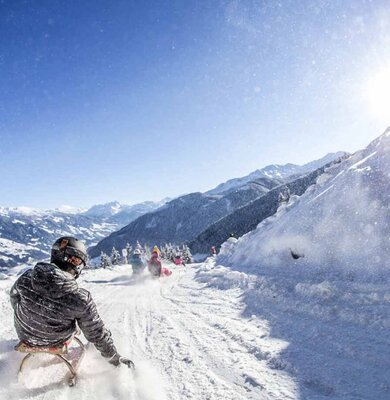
187, 341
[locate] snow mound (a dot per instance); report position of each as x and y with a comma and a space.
221, 277
320, 274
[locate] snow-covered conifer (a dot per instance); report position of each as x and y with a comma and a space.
186, 254
104, 260
115, 256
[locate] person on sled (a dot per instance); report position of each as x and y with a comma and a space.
178, 260
49, 306
137, 263
154, 264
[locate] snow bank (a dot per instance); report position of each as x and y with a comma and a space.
221, 277
319, 272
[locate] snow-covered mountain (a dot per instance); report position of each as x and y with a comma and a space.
26, 234
25, 237
247, 217
319, 272
122, 214
278, 172
106, 210
130, 213
183, 218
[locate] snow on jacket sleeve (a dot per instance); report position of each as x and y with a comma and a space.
94, 330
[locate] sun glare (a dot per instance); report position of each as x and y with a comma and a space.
377, 94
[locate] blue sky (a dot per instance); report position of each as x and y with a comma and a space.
134, 100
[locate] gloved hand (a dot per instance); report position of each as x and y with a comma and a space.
116, 360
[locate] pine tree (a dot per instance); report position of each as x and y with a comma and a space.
165, 251
104, 260
115, 256
186, 255
170, 252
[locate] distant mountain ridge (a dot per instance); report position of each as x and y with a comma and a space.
122, 214
105, 210
182, 218
275, 171
26, 234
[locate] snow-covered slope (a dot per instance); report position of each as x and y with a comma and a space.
276, 172
210, 332
319, 272
187, 340
341, 222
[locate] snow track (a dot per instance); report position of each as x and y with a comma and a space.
187, 341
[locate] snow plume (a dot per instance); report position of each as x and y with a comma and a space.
123, 383
146, 374
339, 225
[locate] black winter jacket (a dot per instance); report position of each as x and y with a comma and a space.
48, 302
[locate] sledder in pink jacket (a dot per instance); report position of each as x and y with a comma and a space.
178, 260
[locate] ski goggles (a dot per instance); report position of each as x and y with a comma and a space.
74, 260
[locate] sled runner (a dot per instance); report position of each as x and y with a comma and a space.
60, 352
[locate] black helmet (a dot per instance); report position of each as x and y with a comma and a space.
66, 247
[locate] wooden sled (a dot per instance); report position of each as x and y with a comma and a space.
60, 352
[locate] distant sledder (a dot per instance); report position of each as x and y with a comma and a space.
178, 260
137, 262
154, 264
49, 307
155, 267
